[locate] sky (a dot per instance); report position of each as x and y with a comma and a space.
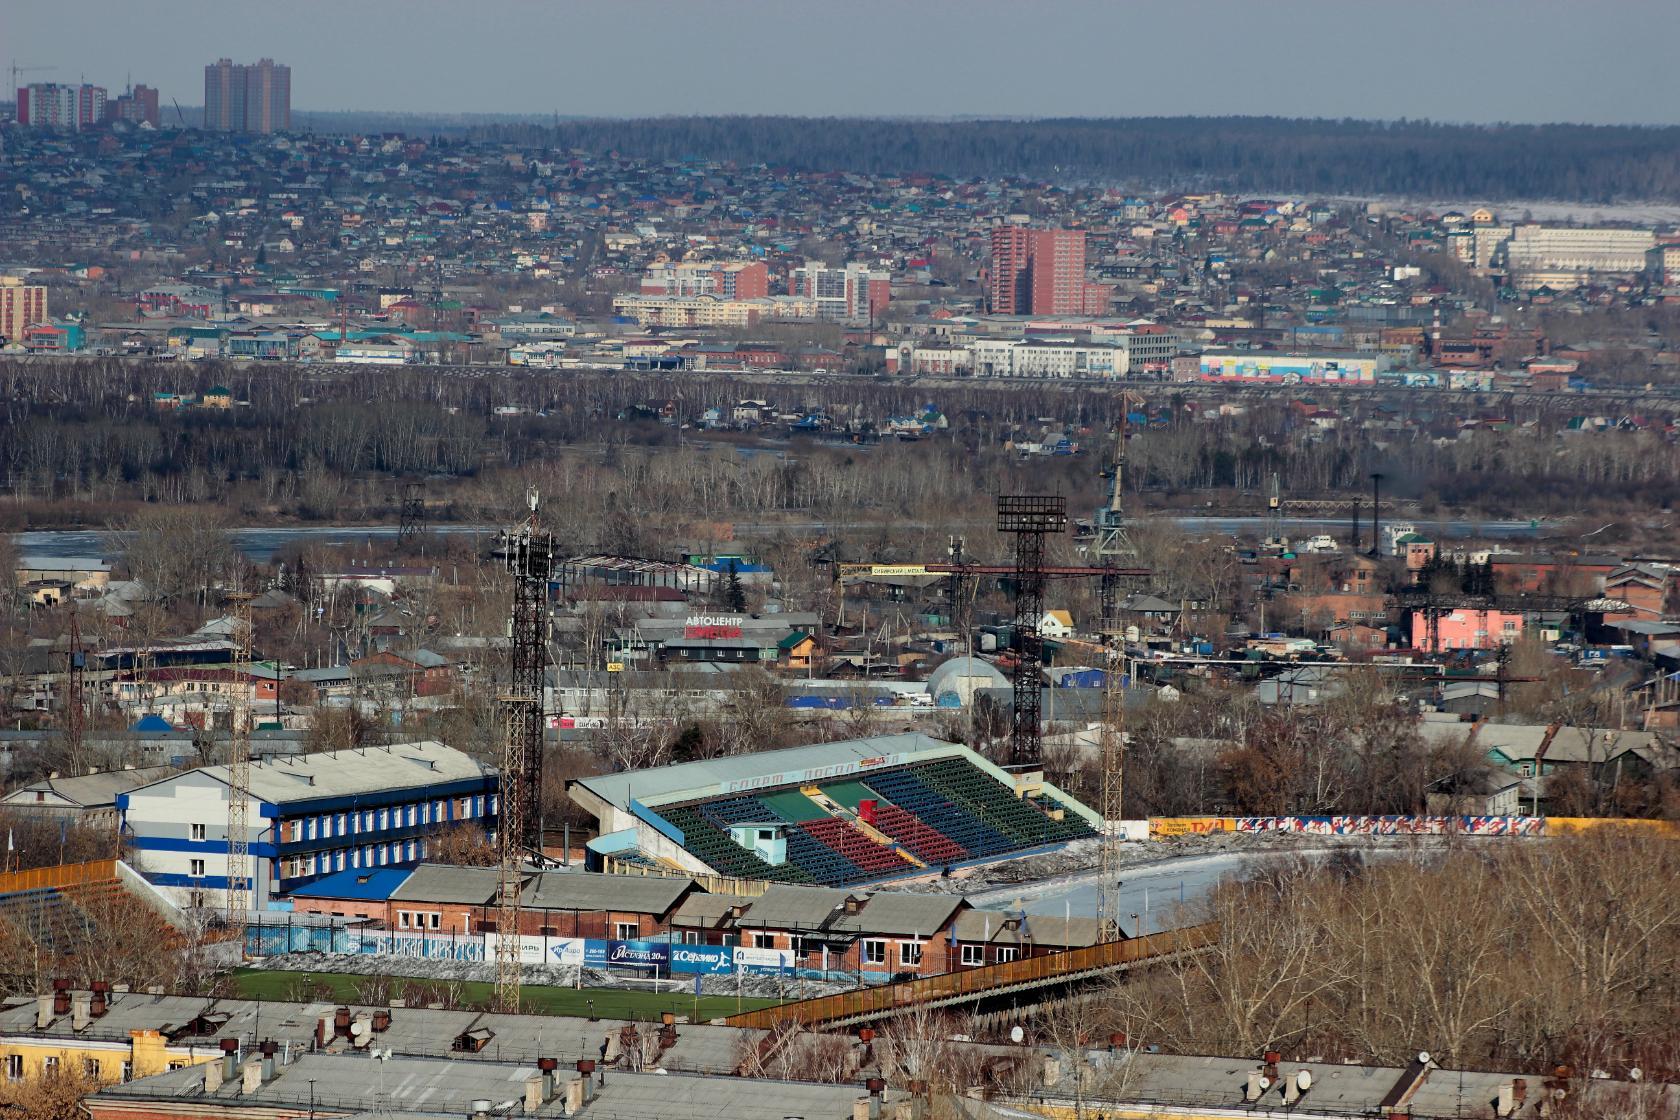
1592, 61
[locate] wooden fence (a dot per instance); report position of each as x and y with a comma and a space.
977, 981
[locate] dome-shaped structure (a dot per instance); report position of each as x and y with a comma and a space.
953, 684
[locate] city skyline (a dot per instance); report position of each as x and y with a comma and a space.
1550, 61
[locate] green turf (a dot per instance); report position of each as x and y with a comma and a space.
609, 1003
793, 805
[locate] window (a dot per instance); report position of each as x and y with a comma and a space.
627, 931
177, 1065
195, 868
198, 832
409, 814
127, 1072
90, 1067
432, 919
49, 1064
14, 1067
402, 919
801, 946
909, 954
874, 952
309, 828
1007, 953
973, 954
763, 940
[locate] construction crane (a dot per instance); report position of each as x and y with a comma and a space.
527, 551
16, 70
1113, 545
238, 893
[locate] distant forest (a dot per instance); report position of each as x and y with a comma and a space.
1417, 159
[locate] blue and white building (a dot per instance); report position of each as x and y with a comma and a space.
309, 816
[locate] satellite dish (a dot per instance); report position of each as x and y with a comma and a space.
1265, 1083
1423, 1057
1635, 1073
1016, 1034
1303, 1080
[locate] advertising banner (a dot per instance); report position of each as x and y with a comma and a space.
638, 954
763, 960
702, 958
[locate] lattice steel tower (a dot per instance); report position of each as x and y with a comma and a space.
1031, 518
528, 554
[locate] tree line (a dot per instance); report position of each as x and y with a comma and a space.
1586, 163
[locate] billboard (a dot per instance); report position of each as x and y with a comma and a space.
702, 958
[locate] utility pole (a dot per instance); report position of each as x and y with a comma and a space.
528, 553
75, 697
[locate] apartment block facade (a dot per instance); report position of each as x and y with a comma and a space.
247, 98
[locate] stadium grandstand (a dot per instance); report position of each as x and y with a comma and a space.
831, 814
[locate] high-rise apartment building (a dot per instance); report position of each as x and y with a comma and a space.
247, 98
852, 293
1006, 289
21, 305
52, 105
1042, 272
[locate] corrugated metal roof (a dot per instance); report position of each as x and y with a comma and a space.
363, 770
650, 786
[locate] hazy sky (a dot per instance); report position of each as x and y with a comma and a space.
1477, 60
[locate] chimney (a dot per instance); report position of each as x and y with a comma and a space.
586, 1066
100, 1003
533, 1095
1506, 1103
323, 1032
212, 1077
381, 1020
268, 1049
341, 1023
230, 1058
43, 1011
251, 1077
81, 1011
1117, 1041
547, 1066
61, 996
574, 1094
1052, 1071
480, 1108
1519, 1091
863, 1108
1252, 1090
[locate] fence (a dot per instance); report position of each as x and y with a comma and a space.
978, 981
63, 875
1405, 825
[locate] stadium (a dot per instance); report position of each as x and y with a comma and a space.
862, 811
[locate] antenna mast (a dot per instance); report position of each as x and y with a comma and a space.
1113, 544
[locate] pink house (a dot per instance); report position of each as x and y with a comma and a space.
1466, 629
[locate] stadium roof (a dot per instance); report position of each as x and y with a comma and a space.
769, 768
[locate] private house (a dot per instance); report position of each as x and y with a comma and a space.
1056, 624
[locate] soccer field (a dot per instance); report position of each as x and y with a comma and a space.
607, 1003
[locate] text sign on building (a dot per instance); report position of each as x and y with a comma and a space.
710, 626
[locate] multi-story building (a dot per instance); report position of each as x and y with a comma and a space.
52, 105
1048, 357
138, 105
853, 293
1042, 272
1663, 263
310, 816
1539, 256
247, 98
723, 279
21, 305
